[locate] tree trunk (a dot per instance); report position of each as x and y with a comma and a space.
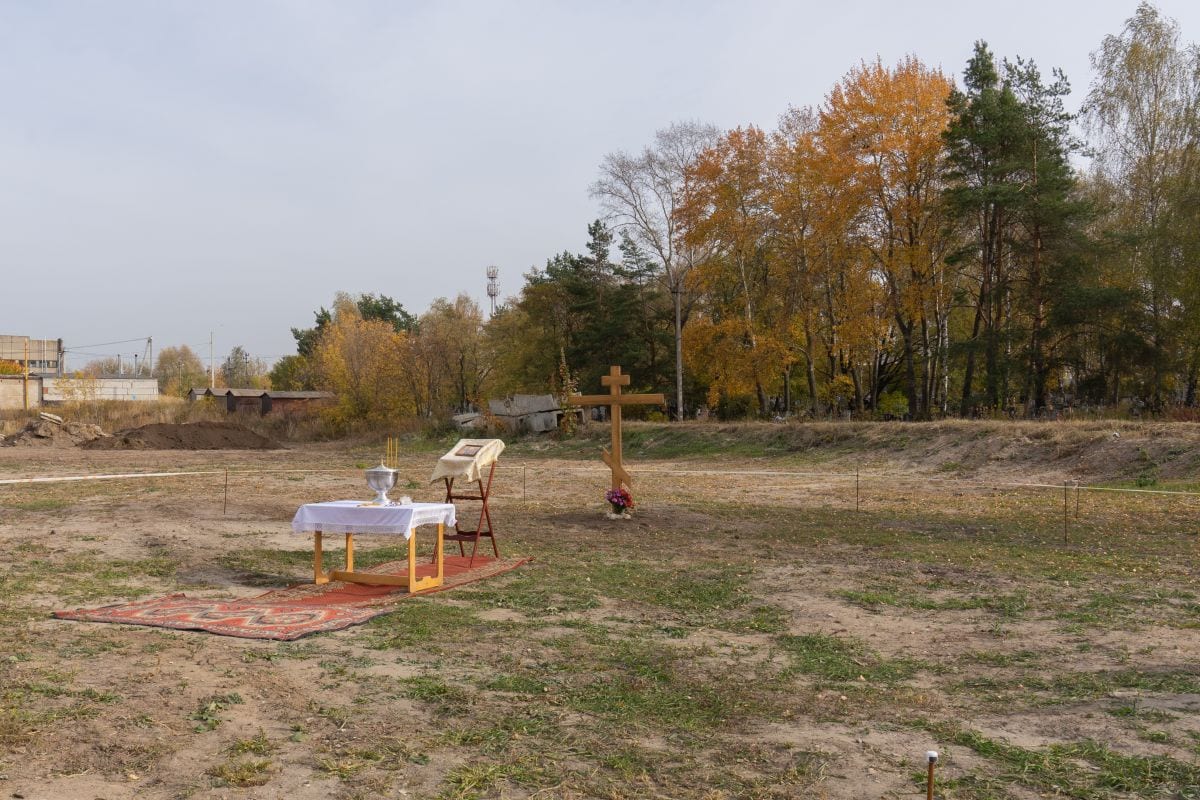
787, 391
910, 370
676, 291
964, 408
1193, 375
810, 369
859, 406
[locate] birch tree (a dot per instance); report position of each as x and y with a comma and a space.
641, 194
1144, 110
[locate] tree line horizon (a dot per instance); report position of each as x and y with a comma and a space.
908, 247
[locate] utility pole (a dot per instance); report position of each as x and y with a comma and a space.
212, 365
25, 378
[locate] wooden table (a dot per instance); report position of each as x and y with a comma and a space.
349, 517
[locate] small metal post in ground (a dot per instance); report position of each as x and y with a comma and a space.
1076, 501
522, 484
225, 505
857, 501
932, 757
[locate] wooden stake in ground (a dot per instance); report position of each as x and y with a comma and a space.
931, 756
614, 380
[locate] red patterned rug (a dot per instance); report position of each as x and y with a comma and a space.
287, 614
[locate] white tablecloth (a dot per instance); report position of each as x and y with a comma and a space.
351, 516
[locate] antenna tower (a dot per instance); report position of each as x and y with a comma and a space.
493, 287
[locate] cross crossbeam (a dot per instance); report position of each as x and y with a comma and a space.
614, 380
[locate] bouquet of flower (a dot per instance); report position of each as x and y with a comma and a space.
620, 500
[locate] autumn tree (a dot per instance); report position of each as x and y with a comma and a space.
178, 369
293, 373
369, 307
451, 343
240, 370
727, 207
368, 365
888, 124
835, 306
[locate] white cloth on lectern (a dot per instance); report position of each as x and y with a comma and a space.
351, 516
467, 459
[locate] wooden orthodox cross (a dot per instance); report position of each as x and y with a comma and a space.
614, 380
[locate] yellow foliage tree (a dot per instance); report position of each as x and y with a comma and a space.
727, 207
454, 350
370, 366
886, 126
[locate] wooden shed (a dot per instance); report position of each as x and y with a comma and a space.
290, 402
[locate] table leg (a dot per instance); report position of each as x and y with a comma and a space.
412, 559
440, 550
319, 575
409, 581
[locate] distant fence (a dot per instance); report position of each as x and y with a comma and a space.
540, 483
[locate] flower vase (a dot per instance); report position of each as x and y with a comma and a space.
618, 512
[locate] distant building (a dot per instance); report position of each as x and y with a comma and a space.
261, 401
17, 391
289, 402
44, 356
521, 413
66, 390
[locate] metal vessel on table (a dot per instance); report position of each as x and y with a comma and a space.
381, 479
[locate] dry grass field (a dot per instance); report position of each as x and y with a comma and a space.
757, 630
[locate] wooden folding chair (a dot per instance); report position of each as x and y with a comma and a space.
485, 516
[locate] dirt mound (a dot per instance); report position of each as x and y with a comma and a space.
45, 433
186, 436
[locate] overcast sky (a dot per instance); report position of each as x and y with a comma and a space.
168, 169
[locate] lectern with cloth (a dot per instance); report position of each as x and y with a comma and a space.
468, 462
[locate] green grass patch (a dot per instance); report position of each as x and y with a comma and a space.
829, 658
515, 684
1068, 687
207, 715
449, 698
421, 621
704, 595
241, 773
480, 779
1087, 770
638, 683
40, 504
89, 576
258, 745
1005, 605
494, 738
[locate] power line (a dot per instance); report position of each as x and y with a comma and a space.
106, 344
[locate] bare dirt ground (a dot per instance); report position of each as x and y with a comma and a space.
768, 625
